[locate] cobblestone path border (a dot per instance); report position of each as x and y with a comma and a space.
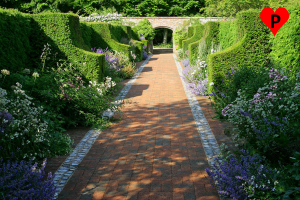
66, 170
208, 139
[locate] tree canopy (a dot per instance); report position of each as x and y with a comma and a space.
149, 8
126, 7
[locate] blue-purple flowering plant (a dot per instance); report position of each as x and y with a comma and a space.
145, 54
195, 77
5, 119
243, 177
24, 180
117, 64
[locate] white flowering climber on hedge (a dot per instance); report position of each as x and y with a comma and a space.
95, 17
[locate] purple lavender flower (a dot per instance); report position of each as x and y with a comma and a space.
5, 119
186, 62
145, 55
22, 180
229, 175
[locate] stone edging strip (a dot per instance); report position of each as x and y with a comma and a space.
66, 170
208, 139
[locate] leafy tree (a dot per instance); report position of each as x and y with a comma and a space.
227, 8
144, 27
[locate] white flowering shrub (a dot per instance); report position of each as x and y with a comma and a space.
27, 132
95, 17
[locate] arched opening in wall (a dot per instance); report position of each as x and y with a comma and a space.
163, 38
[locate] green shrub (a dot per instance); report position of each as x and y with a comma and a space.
227, 33
144, 27
252, 49
129, 70
286, 45
30, 131
246, 78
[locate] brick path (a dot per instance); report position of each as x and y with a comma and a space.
154, 152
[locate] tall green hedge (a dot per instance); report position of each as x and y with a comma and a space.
15, 48
198, 33
116, 37
62, 32
97, 34
189, 35
252, 49
23, 36
227, 33
286, 43
208, 34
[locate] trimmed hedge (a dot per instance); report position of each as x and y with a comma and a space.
62, 32
227, 33
97, 34
15, 49
23, 36
252, 49
209, 32
189, 35
286, 44
102, 35
198, 33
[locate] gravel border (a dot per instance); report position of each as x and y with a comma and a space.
66, 170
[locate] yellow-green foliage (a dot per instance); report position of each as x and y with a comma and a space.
286, 43
198, 33
252, 49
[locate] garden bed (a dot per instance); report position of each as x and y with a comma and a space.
77, 133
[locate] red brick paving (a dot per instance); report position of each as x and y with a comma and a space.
153, 152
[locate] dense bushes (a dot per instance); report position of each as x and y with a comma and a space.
252, 49
265, 112
262, 102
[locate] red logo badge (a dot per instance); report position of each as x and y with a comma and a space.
274, 20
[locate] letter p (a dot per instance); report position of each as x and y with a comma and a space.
273, 20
